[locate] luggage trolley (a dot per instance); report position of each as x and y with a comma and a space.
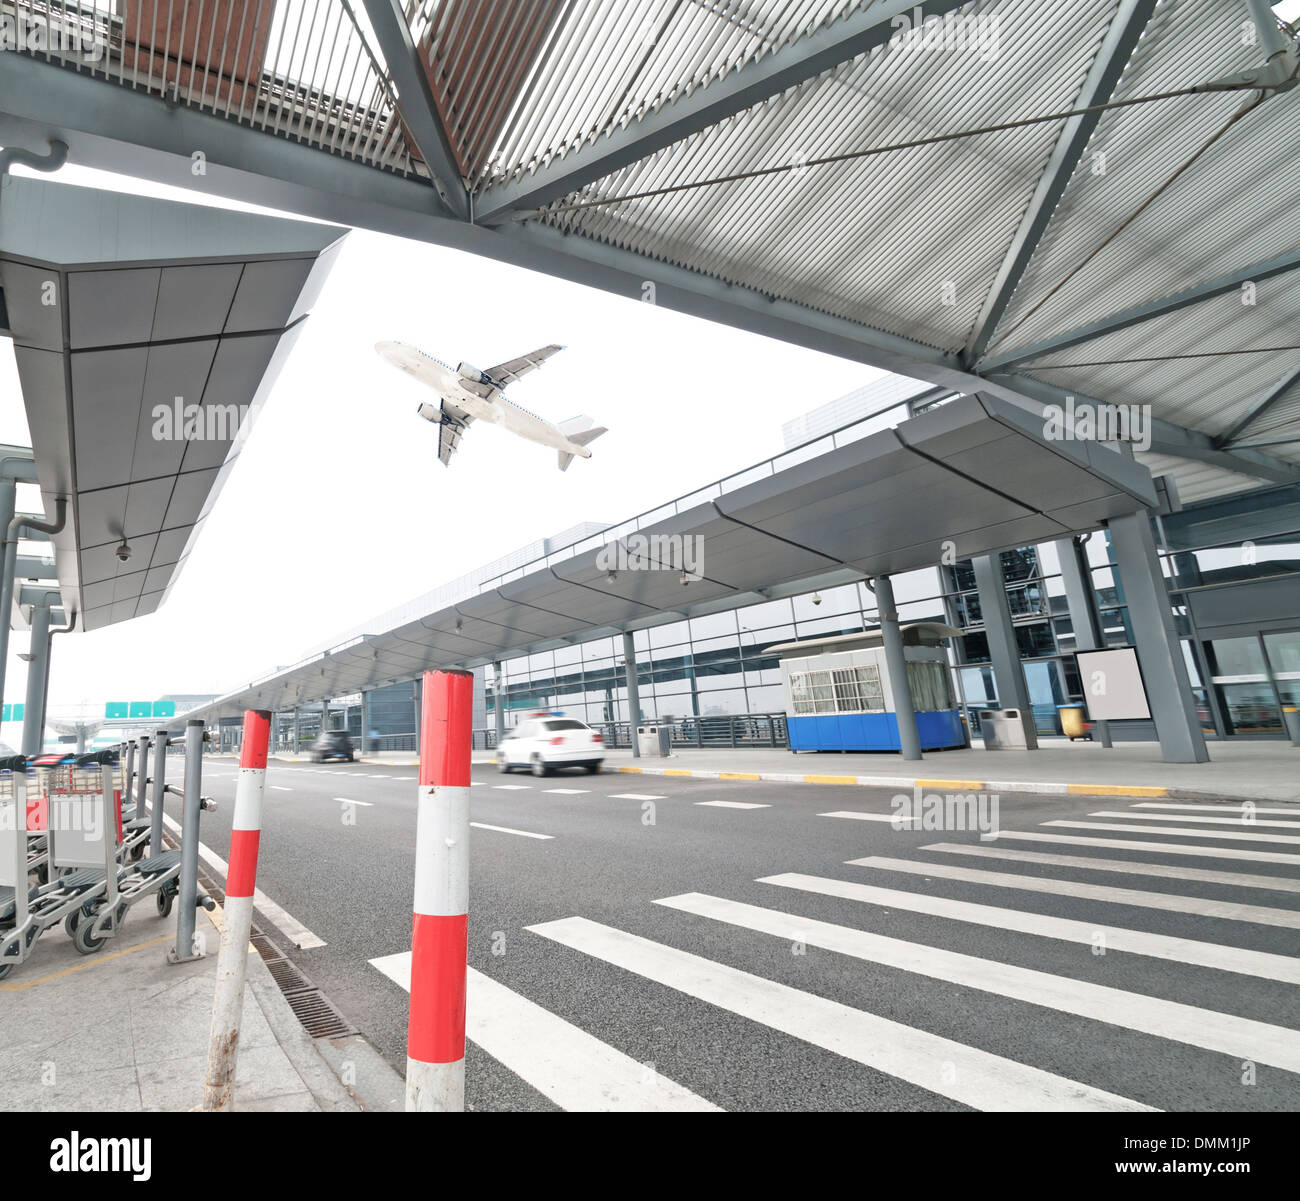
100, 916
78, 821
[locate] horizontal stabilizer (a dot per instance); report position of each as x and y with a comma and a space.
586, 437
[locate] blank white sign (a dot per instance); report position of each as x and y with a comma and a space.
1112, 684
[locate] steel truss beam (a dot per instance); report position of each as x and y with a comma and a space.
1260, 407
837, 43
1208, 290
1116, 49
416, 104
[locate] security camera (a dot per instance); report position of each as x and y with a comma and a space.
123, 552
816, 598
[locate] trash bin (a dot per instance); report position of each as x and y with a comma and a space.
1074, 722
653, 741
1003, 730
1291, 715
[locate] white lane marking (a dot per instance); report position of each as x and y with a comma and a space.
344, 800
939, 1065
1160, 848
1239, 1037
511, 787
732, 805
381, 777
1128, 867
1134, 942
569, 791
574, 1069
1173, 903
1239, 820
477, 784
280, 788
1178, 831
635, 796
508, 830
1281, 811
284, 921
858, 816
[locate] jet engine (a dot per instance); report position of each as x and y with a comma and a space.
473, 374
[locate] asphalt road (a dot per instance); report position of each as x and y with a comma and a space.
1206, 1024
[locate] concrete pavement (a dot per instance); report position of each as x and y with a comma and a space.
123, 1031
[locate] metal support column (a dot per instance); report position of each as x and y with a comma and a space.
1169, 690
142, 774
295, 730
324, 715
633, 691
156, 796
187, 900
1013, 693
1081, 600
365, 721
499, 700
417, 693
909, 739
33, 730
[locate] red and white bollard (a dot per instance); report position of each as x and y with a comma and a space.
241, 879
435, 1045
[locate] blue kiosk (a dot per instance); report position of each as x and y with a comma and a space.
838, 695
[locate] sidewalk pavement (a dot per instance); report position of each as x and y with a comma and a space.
1237, 771
124, 1031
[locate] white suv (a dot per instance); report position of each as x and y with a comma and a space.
544, 741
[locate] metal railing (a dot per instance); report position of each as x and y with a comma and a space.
736, 730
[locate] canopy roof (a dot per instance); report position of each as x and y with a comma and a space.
121, 308
973, 476
992, 203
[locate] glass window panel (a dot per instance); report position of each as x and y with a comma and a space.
713, 626
770, 613
1236, 657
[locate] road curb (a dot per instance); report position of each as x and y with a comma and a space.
1145, 791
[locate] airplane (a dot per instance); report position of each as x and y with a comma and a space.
466, 394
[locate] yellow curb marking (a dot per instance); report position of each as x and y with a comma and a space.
1116, 790
631, 771
674, 771
830, 779
738, 775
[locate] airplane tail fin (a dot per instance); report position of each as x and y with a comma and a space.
580, 431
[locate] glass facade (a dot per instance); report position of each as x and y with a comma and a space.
719, 665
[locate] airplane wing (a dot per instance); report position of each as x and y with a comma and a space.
506, 373
452, 423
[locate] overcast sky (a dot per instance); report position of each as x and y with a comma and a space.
338, 508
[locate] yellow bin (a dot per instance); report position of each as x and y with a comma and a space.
1074, 722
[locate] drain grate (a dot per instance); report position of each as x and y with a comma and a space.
313, 1009
318, 1016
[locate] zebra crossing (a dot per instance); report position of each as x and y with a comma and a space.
1133, 889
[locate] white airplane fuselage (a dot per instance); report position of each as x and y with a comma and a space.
495, 407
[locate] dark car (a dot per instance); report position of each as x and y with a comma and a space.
333, 744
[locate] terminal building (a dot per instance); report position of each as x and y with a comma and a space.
1231, 564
